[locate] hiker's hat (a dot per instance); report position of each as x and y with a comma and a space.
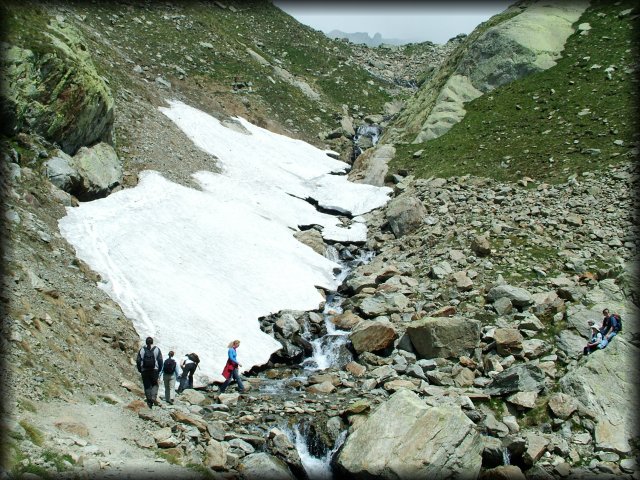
594, 327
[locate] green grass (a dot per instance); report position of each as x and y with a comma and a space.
531, 127
27, 405
537, 415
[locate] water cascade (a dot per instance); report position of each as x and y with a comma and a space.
366, 137
317, 459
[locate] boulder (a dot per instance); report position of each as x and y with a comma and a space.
346, 320
523, 399
481, 246
562, 405
57, 92
446, 337
99, 169
263, 465
371, 167
372, 335
405, 215
280, 446
60, 171
503, 472
194, 397
518, 378
406, 438
519, 296
508, 341
383, 304
312, 238
607, 384
216, 455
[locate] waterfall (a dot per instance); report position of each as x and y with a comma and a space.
330, 349
366, 136
317, 467
506, 457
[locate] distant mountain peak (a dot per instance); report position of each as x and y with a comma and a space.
365, 38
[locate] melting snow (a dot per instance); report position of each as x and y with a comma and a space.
196, 268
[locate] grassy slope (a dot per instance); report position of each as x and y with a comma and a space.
145, 33
517, 129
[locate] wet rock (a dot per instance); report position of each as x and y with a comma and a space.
263, 465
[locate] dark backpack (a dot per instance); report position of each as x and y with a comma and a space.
618, 320
169, 366
194, 358
149, 358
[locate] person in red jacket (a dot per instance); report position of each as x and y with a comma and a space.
230, 371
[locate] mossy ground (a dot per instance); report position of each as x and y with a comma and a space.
545, 126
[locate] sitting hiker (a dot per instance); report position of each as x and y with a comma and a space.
594, 341
610, 328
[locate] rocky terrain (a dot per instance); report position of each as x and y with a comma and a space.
466, 328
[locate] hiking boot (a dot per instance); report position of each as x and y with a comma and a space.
156, 402
149, 403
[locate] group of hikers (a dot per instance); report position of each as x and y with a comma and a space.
151, 366
601, 336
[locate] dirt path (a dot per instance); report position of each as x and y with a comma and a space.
102, 437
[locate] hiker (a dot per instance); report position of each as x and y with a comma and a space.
609, 329
149, 364
594, 341
169, 376
230, 371
188, 365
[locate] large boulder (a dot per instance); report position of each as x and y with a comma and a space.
405, 439
371, 166
372, 335
263, 465
518, 378
519, 296
451, 337
100, 170
57, 92
61, 172
607, 384
405, 215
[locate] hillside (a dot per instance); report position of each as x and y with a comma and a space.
462, 318
574, 117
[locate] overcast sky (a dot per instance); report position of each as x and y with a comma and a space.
412, 21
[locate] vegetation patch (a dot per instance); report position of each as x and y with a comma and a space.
35, 435
575, 117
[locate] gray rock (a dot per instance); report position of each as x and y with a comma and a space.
405, 215
518, 296
518, 378
99, 169
61, 172
405, 438
263, 465
434, 337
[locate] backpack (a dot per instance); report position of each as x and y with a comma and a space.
169, 366
618, 319
149, 358
194, 358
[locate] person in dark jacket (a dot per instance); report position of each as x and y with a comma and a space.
150, 372
188, 366
170, 372
230, 371
609, 328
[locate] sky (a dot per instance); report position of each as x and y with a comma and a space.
196, 268
413, 21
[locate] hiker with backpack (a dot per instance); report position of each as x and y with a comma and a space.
611, 326
169, 377
230, 371
188, 365
149, 364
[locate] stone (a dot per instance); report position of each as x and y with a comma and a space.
508, 341
399, 384
503, 472
356, 369
405, 438
519, 296
371, 167
503, 306
346, 320
263, 465
194, 397
523, 399
481, 246
562, 405
536, 446
324, 387
518, 378
405, 215
444, 337
61, 172
216, 455
463, 283
312, 238
99, 169
372, 335
45, 110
